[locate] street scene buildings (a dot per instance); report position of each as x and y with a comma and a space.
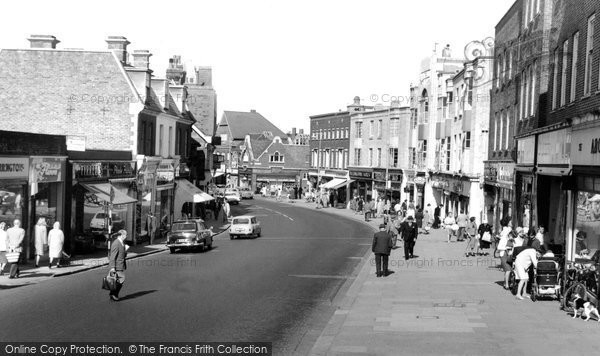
475, 193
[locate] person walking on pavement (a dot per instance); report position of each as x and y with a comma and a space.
473, 241
436, 216
382, 247
41, 240
368, 207
16, 235
504, 248
449, 223
3, 247
462, 221
419, 218
226, 210
409, 232
117, 263
56, 241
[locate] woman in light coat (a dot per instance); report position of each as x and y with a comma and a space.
56, 240
41, 239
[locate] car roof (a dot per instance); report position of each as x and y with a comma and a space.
244, 217
187, 221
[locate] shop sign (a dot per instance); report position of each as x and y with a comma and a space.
360, 174
419, 180
526, 150
500, 173
554, 147
335, 174
395, 177
76, 143
14, 167
103, 170
165, 174
47, 169
586, 147
490, 173
380, 176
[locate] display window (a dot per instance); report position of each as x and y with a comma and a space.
11, 202
586, 237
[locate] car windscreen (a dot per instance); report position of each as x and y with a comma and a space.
241, 221
184, 227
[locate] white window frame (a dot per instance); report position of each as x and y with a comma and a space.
563, 80
555, 81
589, 55
507, 133
533, 81
574, 66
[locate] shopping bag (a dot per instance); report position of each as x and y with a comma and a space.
12, 257
487, 237
109, 282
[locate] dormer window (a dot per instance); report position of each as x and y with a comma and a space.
276, 157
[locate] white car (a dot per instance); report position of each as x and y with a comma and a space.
233, 196
246, 225
97, 222
247, 193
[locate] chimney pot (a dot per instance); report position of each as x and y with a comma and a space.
43, 41
141, 58
252, 110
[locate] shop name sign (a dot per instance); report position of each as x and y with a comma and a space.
555, 147
47, 169
103, 170
586, 147
14, 167
360, 174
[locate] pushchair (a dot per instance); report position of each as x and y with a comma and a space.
546, 281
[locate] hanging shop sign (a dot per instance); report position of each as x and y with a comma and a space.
419, 180
14, 167
47, 169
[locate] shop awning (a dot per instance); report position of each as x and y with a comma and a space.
338, 186
332, 183
187, 192
102, 192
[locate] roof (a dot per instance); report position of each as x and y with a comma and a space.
242, 123
297, 156
259, 143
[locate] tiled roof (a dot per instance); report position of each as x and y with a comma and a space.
297, 156
259, 144
243, 123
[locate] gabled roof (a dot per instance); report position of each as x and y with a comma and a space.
259, 143
242, 123
296, 156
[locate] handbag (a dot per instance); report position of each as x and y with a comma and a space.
454, 227
12, 257
487, 237
109, 282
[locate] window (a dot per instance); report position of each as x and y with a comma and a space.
276, 157
379, 128
533, 76
496, 132
170, 141
468, 139
500, 127
394, 127
498, 65
574, 66
327, 159
510, 64
555, 81
370, 157
379, 157
563, 82
522, 95
346, 159
358, 129
526, 17
393, 158
357, 157
448, 147
589, 55
504, 67
527, 86
340, 158
371, 128
506, 125
161, 133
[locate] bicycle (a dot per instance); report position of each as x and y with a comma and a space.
581, 280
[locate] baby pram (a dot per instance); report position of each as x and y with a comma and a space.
546, 282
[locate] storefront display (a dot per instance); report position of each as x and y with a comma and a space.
14, 174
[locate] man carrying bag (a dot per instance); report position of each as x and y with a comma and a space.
117, 264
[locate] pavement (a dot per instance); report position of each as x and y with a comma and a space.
442, 303
79, 263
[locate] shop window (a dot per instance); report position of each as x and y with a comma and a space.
11, 203
587, 224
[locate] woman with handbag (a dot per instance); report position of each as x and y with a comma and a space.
485, 238
505, 246
41, 240
3, 247
56, 240
449, 224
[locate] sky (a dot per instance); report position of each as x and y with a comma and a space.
288, 60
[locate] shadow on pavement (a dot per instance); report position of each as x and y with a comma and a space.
137, 294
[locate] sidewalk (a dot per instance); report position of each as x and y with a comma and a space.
442, 303
79, 263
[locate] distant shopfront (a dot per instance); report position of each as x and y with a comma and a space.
362, 185
498, 191
454, 192
525, 191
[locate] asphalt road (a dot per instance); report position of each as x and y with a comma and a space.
277, 288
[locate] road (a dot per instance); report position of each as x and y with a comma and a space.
277, 288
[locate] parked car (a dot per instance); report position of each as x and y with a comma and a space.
233, 196
246, 193
97, 222
189, 234
246, 225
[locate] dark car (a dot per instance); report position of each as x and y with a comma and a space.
189, 234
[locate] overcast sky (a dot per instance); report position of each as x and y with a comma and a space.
286, 59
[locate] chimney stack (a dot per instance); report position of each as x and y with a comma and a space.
176, 71
141, 58
294, 132
118, 44
43, 41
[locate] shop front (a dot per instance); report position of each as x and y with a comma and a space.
394, 184
455, 192
498, 191
582, 192
147, 195
379, 183
362, 183
414, 187
165, 191
14, 178
276, 178
103, 199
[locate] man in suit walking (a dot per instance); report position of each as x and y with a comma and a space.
382, 247
117, 263
409, 232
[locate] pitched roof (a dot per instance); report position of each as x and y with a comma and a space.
259, 144
242, 123
297, 156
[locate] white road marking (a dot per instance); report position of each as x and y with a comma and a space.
277, 212
319, 276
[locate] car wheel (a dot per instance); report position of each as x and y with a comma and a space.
231, 237
172, 249
258, 235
